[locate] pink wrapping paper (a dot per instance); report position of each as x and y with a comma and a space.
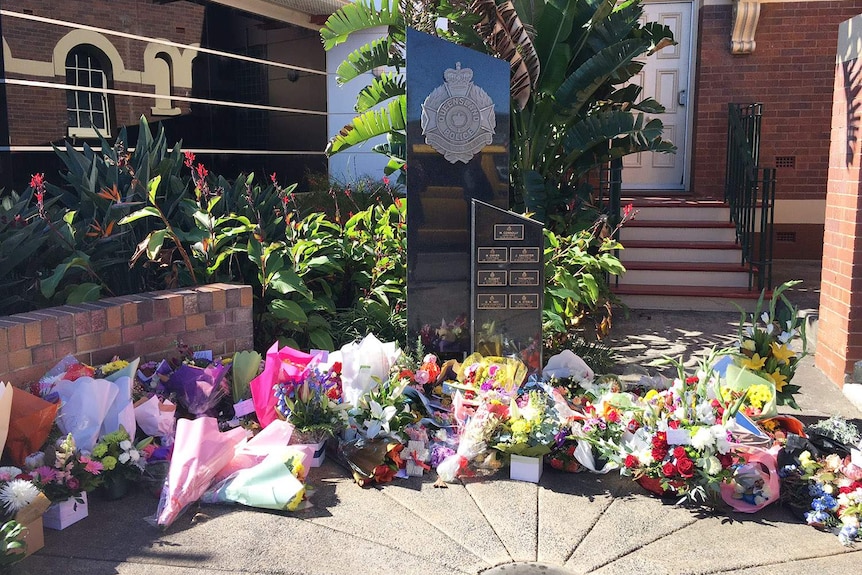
200, 452
280, 366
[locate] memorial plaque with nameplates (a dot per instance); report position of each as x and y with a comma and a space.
508, 283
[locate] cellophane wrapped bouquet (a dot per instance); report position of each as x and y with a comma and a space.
683, 444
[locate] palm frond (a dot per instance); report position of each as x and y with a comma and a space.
364, 59
356, 17
385, 87
580, 86
369, 125
507, 37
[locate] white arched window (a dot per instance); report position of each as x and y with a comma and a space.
87, 110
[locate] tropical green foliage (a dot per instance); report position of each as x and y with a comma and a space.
313, 274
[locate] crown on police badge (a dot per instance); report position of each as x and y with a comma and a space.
458, 80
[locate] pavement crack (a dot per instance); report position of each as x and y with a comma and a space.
373, 542
589, 530
642, 545
438, 529
488, 521
782, 562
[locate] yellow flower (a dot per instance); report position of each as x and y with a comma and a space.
781, 352
754, 363
650, 394
749, 345
778, 378
758, 395
521, 426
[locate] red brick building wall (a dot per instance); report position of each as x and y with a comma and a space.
148, 325
790, 72
839, 333
38, 115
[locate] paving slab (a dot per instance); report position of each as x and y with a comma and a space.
369, 514
728, 543
511, 509
453, 511
630, 522
569, 507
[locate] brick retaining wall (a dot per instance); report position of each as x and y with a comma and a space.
215, 316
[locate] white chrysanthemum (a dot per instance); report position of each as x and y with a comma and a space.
702, 439
645, 457
124, 458
18, 494
711, 465
125, 445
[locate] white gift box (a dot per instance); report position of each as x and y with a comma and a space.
526, 468
61, 515
315, 452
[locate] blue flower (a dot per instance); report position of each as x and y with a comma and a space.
847, 535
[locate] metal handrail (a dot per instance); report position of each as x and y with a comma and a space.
749, 190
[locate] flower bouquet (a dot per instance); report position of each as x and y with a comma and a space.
122, 462
501, 376
474, 456
383, 411
834, 486
764, 346
532, 426
63, 472
277, 482
20, 516
684, 443
373, 460
311, 405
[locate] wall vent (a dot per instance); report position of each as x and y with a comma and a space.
785, 237
785, 161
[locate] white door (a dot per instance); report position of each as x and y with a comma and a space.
665, 77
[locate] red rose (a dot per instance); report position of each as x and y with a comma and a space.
658, 453
674, 424
726, 460
633, 426
685, 467
613, 416
679, 451
668, 469
659, 439
556, 463
631, 461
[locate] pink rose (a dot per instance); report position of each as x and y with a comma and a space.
72, 483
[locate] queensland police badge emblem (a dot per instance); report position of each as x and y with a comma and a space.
458, 117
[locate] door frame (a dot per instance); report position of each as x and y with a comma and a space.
690, 100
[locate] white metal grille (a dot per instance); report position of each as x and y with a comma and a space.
87, 111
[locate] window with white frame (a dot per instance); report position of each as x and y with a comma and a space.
87, 110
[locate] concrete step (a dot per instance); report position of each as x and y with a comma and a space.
678, 210
686, 298
678, 231
729, 275
663, 251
